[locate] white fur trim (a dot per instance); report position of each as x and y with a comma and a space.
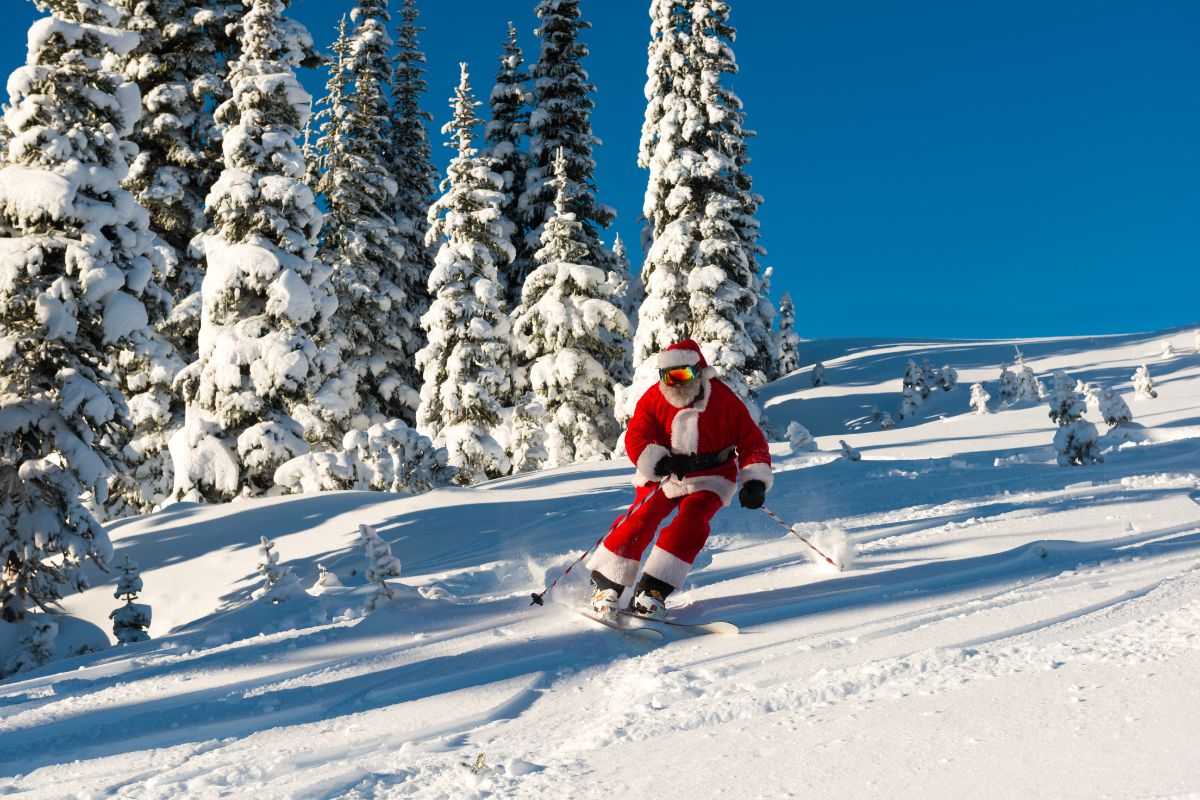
680, 357
612, 566
719, 485
758, 471
685, 431
667, 567
649, 458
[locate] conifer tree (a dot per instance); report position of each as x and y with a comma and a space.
180, 65
179, 70
132, 620
279, 583
980, 398
1114, 409
77, 258
416, 178
381, 565
561, 118
506, 136
373, 325
700, 270
266, 300
789, 341
465, 365
1143, 384
568, 330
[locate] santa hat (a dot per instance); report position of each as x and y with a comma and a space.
682, 354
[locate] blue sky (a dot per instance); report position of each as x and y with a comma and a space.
945, 168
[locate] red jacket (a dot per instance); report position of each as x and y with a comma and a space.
717, 419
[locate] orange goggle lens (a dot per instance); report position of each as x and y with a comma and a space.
677, 375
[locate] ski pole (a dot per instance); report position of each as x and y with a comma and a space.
772, 515
539, 598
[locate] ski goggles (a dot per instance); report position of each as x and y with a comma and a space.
677, 375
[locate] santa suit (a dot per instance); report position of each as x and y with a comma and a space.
662, 425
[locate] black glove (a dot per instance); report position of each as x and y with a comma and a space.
753, 494
676, 464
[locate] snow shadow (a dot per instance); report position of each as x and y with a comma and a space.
1032, 560
241, 709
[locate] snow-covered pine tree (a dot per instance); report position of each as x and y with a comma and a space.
980, 398
180, 65
787, 340
179, 68
1076, 440
266, 298
505, 138
817, 377
629, 287
699, 274
1143, 384
561, 118
915, 379
465, 365
279, 583
567, 329
1066, 405
799, 438
946, 378
1029, 387
373, 325
1168, 349
381, 565
132, 620
712, 54
849, 453
1114, 409
416, 179
1010, 387
35, 647
76, 258
909, 403
386, 457
528, 438
1196, 342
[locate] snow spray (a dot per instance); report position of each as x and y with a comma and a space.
837, 540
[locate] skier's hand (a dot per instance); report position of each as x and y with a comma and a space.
753, 494
676, 464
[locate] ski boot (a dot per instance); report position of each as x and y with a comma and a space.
606, 596
650, 598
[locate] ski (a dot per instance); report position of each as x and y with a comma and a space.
720, 626
644, 632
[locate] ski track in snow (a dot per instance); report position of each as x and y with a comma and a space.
991, 591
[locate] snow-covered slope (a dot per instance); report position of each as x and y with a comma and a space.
1009, 627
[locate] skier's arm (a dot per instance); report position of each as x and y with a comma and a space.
754, 456
645, 440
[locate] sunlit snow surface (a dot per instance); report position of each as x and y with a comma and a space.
1010, 627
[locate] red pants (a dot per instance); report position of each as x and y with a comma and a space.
677, 547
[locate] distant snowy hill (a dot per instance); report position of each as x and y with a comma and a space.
1008, 627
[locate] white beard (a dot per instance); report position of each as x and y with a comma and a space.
683, 395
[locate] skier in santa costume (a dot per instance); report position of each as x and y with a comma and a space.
682, 439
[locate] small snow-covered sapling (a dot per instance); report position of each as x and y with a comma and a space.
980, 398
1114, 409
381, 565
132, 620
848, 452
1143, 384
818, 374
799, 439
